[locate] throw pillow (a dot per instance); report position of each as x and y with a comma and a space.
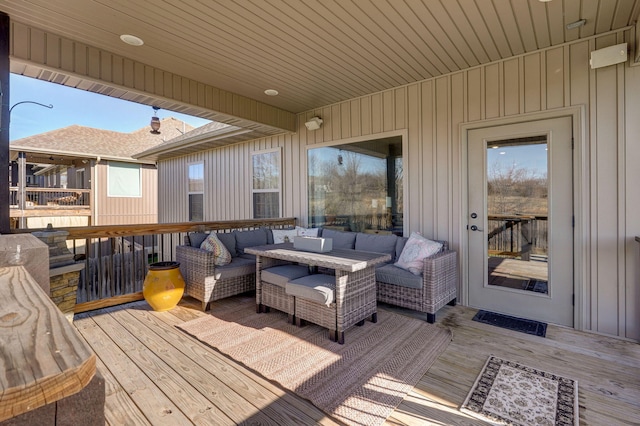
221, 255
415, 251
284, 235
307, 232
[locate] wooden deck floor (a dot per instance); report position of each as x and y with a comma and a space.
156, 374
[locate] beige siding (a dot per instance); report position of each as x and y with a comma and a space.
430, 113
125, 210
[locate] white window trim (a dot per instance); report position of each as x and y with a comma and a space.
257, 191
204, 188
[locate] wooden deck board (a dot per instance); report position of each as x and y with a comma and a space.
226, 381
607, 370
155, 404
119, 407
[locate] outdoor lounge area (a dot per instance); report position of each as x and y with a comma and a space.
168, 368
458, 161
157, 374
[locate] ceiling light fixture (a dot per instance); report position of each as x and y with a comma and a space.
576, 24
155, 121
131, 40
271, 92
314, 123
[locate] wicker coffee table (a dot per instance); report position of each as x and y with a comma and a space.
355, 292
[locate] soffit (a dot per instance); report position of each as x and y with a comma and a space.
320, 52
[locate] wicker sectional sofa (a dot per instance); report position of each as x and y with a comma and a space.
427, 292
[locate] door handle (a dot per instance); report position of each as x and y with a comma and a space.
475, 228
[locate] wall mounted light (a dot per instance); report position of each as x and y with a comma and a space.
609, 56
155, 122
314, 123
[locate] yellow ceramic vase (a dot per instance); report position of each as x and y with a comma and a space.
163, 286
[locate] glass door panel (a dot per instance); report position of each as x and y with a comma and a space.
517, 214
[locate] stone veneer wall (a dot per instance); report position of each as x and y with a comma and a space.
63, 290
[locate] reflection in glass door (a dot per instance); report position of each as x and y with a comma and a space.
517, 214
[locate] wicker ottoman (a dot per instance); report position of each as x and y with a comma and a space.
272, 288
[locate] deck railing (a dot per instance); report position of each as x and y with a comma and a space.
116, 258
517, 235
50, 198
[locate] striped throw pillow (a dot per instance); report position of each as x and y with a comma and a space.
221, 255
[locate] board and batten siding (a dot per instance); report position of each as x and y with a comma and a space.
429, 114
125, 210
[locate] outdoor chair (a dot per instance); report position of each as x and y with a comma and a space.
435, 287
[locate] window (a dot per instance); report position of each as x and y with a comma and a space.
266, 179
124, 180
196, 192
357, 186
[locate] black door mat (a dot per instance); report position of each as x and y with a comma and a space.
522, 325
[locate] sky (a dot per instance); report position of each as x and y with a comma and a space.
75, 106
532, 157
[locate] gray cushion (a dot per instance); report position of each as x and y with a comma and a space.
377, 243
269, 233
237, 268
248, 256
279, 275
341, 240
391, 274
196, 238
229, 241
402, 241
244, 239
318, 288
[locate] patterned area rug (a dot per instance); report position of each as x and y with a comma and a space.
359, 383
508, 393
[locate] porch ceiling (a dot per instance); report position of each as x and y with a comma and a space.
319, 52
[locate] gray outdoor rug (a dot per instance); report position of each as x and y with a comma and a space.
359, 383
509, 393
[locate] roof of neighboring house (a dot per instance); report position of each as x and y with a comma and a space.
80, 141
210, 135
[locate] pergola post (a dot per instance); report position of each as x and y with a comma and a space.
4, 123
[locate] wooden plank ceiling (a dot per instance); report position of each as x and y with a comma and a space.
318, 52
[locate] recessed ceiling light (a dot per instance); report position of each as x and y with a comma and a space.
271, 92
131, 40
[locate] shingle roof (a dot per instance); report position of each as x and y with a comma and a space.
91, 142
